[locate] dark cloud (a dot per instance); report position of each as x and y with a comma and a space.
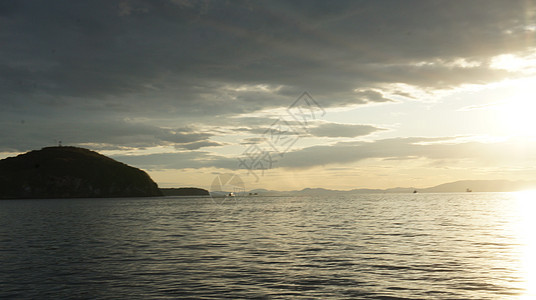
254, 140
102, 134
101, 48
203, 60
342, 130
199, 145
178, 137
371, 96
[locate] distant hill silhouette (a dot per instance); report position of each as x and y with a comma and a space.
184, 192
71, 172
481, 186
451, 187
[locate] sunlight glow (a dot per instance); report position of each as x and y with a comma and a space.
526, 208
515, 63
517, 113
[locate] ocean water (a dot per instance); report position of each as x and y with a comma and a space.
377, 246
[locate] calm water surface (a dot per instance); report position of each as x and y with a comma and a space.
385, 246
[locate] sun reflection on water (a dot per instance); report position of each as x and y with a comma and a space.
526, 209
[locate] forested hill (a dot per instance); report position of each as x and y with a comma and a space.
71, 172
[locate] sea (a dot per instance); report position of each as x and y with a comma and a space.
362, 246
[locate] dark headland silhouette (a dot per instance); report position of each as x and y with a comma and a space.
186, 191
71, 172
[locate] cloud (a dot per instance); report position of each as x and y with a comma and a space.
199, 145
371, 96
410, 148
102, 134
70, 62
180, 137
314, 128
253, 140
103, 49
439, 152
342, 130
178, 160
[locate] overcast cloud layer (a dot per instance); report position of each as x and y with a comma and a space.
138, 74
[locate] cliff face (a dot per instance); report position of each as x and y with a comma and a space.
71, 172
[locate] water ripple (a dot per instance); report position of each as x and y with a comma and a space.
450, 246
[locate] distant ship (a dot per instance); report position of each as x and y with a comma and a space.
414, 191
468, 190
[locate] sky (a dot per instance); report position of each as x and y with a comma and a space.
281, 94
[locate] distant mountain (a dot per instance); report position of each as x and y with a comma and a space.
318, 191
189, 191
321, 191
400, 190
265, 192
481, 186
71, 172
261, 191
451, 187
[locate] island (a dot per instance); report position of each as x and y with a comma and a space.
71, 172
187, 191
